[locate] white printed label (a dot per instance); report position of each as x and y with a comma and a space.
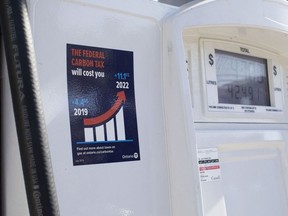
208, 163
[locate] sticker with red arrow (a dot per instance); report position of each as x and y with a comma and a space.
102, 109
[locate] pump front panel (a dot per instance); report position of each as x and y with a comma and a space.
232, 117
240, 124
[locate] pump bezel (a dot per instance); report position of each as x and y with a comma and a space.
274, 75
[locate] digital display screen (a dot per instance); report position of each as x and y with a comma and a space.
241, 79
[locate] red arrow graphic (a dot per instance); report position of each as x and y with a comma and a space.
121, 98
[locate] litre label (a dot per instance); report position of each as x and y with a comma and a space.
208, 164
102, 107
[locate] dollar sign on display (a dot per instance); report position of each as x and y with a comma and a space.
211, 60
274, 70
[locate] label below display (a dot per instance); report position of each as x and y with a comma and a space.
208, 164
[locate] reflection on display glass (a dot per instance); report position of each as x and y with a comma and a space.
241, 79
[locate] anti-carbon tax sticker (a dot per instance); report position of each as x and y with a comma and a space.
102, 107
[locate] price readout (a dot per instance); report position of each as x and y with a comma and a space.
241, 79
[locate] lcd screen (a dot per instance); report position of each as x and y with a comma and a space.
241, 79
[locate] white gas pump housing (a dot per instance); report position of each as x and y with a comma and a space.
161, 111
83, 39
225, 87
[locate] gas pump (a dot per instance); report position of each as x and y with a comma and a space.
225, 81
157, 110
